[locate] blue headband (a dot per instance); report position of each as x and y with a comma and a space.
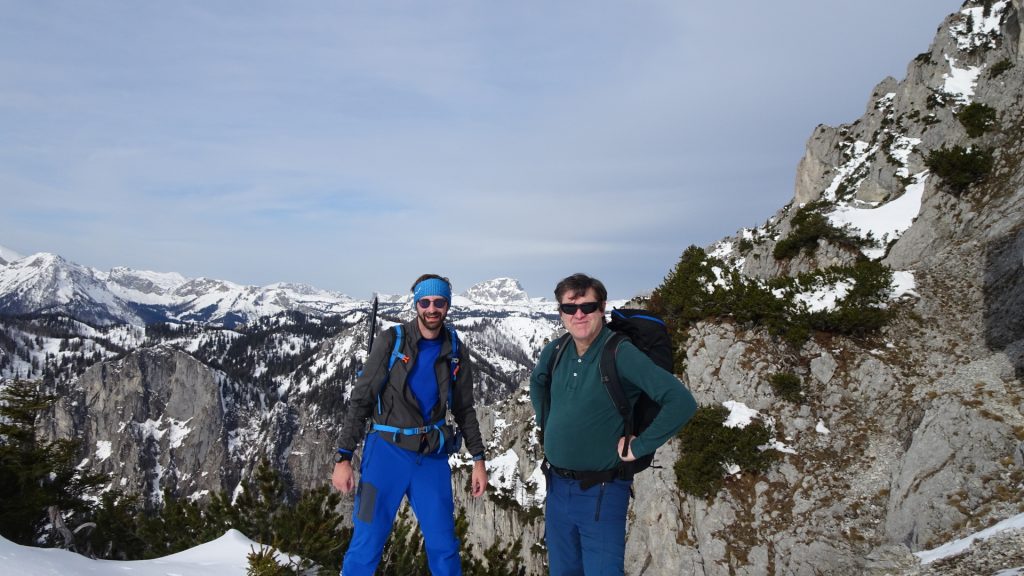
433, 287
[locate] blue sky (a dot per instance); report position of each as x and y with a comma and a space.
355, 145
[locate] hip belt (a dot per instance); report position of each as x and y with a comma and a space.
586, 478
445, 433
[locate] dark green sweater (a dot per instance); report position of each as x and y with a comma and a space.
583, 427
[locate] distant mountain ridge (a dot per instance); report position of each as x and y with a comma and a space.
49, 283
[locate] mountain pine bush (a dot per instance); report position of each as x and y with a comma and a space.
977, 118
708, 447
960, 167
809, 225
787, 386
701, 287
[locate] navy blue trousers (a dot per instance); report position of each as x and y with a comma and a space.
388, 474
585, 530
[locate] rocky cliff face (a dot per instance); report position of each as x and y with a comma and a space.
156, 419
909, 438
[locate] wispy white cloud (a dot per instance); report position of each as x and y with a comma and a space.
352, 145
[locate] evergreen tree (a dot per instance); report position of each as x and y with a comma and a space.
264, 562
314, 530
117, 535
36, 475
403, 553
179, 525
310, 528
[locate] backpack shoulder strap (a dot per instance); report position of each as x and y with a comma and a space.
453, 363
396, 354
560, 346
610, 379
396, 351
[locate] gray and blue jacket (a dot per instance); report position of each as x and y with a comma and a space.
388, 401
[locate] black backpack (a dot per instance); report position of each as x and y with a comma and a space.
650, 335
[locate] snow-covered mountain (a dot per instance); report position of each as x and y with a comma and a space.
498, 291
101, 306
143, 287
225, 303
504, 337
47, 283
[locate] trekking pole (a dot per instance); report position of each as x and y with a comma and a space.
372, 330
373, 325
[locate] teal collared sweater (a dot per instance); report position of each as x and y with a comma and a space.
583, 427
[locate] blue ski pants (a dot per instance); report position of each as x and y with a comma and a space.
585, 530
387, 475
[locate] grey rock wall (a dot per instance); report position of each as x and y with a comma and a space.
156, 419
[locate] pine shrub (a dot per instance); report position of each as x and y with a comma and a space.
683, 297
1000, 67
263, 562
116, 536
787, 386
809, 225
753, 303
862, 311
708, 446
977, 118
702, 287
403, 553
960, 167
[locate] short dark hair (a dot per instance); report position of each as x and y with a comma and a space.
429, 276
578, 284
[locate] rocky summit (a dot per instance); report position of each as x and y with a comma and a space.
498, 291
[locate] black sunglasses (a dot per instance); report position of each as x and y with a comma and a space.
439, 303
587, 307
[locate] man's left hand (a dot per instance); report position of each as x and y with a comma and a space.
479, 478
629, 453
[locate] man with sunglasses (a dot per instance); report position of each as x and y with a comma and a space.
588, 493
406, 450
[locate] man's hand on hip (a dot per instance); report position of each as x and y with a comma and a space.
629, 453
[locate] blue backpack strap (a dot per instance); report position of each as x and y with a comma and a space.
396, 354
453, 363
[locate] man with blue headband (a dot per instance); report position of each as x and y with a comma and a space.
414, 377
